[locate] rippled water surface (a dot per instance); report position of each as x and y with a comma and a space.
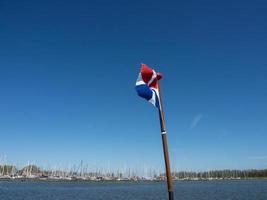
197, 190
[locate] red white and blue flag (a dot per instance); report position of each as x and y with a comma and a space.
147, 85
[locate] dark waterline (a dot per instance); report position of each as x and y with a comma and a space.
185, 190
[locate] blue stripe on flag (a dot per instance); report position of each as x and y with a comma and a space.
144, 91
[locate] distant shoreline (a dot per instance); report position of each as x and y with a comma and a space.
119, 181
33, 172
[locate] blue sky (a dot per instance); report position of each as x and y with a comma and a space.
68, 70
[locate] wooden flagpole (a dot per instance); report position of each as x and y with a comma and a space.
165, 148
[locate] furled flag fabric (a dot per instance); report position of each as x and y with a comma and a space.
147, 85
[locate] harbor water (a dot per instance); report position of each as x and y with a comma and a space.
184, 190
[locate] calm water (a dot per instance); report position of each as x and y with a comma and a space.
206, 190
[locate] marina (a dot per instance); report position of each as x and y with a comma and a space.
83, 173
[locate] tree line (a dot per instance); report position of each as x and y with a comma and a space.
222, 174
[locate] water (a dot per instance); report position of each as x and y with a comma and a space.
197, 190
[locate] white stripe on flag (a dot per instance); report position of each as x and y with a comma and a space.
139, 80
153, 77
153, 99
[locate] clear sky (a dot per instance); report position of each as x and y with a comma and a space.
68, 71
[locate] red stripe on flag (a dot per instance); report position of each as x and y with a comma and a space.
146, 73
154, 84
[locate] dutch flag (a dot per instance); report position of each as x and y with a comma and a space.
147, 85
